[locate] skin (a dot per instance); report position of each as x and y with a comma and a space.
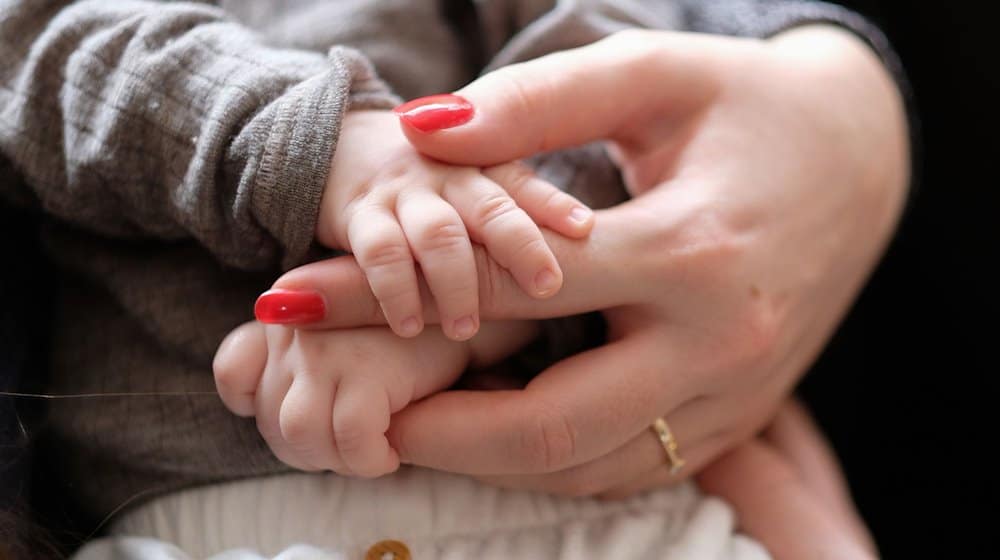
393, 208
784, 485
768, 177
318, 411
788, 492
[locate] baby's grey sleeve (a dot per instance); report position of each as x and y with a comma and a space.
138, 119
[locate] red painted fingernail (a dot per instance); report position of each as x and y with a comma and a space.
436, 112
279, 307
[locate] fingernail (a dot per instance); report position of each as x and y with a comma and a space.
409, 327
281, 307
464, 328
545, 282
580, 215
436, 112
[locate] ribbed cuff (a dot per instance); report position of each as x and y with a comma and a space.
299, 149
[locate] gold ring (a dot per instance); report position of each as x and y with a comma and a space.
666, 437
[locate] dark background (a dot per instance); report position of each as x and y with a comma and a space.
908, 390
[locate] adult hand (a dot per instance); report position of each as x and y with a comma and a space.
768, 177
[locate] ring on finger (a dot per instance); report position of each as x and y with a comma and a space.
674, 460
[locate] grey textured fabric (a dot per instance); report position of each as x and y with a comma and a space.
178, 152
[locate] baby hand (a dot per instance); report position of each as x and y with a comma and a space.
323, 399
391, 206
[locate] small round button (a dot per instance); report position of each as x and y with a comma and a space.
388, 550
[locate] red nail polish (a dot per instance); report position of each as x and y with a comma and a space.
436, 112
281, 307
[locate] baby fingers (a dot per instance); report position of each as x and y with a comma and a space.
305, 424
439, 241
238, 365
547, 205
382, 251
361, 415
509, 234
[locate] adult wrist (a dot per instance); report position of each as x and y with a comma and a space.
861, 99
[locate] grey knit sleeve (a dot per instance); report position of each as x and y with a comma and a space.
138, 119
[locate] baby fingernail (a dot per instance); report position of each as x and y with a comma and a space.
546, 281
409, 327
580, 215
464, 328
290, 306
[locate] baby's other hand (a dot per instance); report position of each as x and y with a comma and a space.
392, 208
323, 399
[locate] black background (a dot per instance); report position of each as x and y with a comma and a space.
908, 389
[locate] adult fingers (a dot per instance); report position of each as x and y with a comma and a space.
620, 84
696, 458
694, 424
574, 412
381, 249
601, 272
238, 364
441, 244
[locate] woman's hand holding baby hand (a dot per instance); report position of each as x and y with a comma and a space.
768, 177
393, 208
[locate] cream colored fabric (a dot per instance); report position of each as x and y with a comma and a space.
437, 515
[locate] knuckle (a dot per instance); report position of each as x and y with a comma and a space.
703, 248
548, 440
556, 200
519, 96
494, 283
757, 332
349, 433
442, 237
494, 209
513, 177
296, 428
533, 246
383, 253
526, 94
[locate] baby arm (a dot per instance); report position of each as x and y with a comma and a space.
393, 208
170, 121
323, 399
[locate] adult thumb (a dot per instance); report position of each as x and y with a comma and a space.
621, 88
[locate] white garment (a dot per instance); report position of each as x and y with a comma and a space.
437, 515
